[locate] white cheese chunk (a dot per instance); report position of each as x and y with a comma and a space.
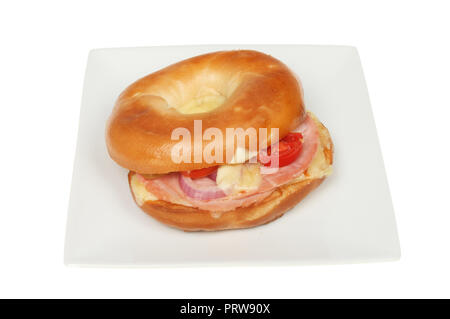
238, 178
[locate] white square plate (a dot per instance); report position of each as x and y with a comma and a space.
348, 219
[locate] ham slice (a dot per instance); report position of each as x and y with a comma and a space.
167, 187
284, 174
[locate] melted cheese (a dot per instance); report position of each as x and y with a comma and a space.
238, 178
318, 168
141, 194
241, 155
202, 104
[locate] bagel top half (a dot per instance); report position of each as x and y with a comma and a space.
227, 89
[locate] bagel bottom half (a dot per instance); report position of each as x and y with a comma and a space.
272, 207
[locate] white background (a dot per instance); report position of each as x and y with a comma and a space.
405, 51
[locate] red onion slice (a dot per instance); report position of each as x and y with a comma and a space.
202, 188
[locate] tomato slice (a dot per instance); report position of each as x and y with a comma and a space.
289, 149
199, 173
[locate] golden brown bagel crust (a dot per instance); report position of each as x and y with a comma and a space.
259, 92
272, 207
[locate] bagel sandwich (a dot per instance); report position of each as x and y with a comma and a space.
239, 185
